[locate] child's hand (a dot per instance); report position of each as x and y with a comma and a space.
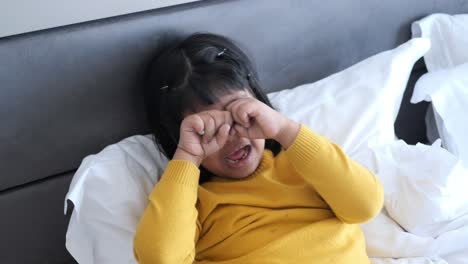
254, 119
203, 134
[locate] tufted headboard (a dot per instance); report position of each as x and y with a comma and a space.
68, 92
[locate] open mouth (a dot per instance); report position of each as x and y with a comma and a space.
239, 155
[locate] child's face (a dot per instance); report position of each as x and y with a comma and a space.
252, 149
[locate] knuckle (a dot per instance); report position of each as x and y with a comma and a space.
212, 122
195, 118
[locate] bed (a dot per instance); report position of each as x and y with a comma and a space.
68, 92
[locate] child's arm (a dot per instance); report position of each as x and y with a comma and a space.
168, 229
353, 192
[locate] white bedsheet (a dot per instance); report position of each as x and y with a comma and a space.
408, 261
442, 233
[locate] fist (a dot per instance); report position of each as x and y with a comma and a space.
254, 119
203, 134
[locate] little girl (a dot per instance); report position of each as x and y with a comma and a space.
245, 184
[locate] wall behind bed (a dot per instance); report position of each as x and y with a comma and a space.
68, 92
20, 16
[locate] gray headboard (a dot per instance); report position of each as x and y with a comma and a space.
67, 92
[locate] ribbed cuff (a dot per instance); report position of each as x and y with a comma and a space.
305, 147
182, 172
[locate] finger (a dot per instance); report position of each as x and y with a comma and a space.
220, 117
245, 113
241, 131
248, 111
239, 115
232, 131
227, 118
222, 135
196, 124
231, 105
210, 128
224, 118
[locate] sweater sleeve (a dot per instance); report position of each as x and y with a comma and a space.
353, 192
169, 227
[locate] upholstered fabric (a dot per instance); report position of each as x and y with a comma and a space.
70, 91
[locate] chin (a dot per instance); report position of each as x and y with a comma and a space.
246, 171
240, 176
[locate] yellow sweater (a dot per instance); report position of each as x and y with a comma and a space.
302, 206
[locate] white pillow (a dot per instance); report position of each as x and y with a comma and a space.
109, 192
356, 108
352, 107
449, 39
448, 92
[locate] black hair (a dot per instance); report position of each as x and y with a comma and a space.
199, 69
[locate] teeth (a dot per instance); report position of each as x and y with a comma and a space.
231, 161
246, 152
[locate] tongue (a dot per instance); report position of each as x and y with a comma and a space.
237, 154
